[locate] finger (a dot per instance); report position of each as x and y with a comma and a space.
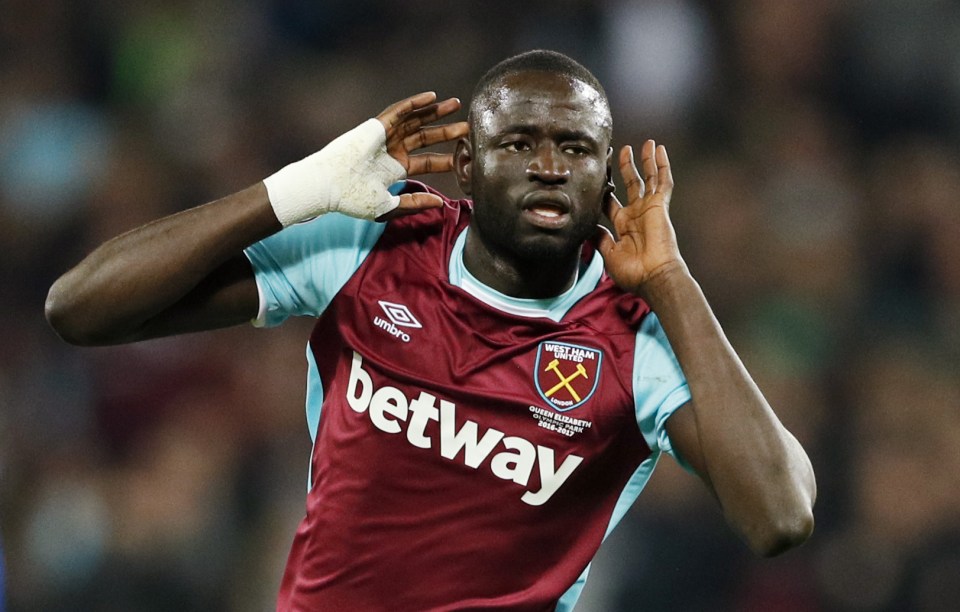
412, 203
605, 241
393, 114
435, 135
429, 163
649, 166
612, 206
664, 173
413, 121
631, 178
444, 108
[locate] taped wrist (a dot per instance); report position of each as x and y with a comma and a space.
350, 175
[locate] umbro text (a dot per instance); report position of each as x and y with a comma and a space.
391, 329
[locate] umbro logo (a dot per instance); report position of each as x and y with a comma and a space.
398, 316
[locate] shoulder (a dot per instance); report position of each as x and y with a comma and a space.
608, 308
455, 210
439, 223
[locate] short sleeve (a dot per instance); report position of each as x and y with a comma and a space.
301, 268
659, 386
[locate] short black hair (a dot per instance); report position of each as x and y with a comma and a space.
537, 60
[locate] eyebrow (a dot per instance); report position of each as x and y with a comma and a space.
566, 134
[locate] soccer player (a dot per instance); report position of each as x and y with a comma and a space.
491, 381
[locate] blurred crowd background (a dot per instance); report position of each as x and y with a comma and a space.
816, 150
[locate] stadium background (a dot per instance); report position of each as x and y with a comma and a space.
818, 202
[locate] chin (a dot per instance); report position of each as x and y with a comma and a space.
522, 242
549, 248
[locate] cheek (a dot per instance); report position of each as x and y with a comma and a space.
497, 166
593, 182
498, 176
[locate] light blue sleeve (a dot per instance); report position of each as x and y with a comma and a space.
659, 386
301, 268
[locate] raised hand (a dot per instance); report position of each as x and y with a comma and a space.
407, 127
352, 174
647, 244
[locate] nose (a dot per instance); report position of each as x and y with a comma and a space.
548, 166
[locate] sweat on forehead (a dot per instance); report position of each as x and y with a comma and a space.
539, 96
491, 84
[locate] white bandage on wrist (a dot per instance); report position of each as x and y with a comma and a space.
350, 175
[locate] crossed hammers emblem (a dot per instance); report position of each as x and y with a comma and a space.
565, 380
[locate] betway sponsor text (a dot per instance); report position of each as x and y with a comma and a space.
390, 411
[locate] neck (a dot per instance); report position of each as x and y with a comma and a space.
517, 277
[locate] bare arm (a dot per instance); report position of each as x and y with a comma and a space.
181, 273
187, 272
729, 434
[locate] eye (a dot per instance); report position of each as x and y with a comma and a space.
575, 149
516, 146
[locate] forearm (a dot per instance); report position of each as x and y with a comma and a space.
134, 277
186, 272
761, 475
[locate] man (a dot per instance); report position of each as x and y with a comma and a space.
489, 388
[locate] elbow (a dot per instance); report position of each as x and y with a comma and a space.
788, 515
782, 533
61, 314
57, 313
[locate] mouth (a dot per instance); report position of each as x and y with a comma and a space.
547, 210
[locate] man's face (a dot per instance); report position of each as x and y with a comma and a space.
539, 163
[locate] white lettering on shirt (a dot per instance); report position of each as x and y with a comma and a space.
388, 408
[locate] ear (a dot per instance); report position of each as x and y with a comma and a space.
463, 165
610, 187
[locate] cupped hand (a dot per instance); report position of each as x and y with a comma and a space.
407, 126
646, 243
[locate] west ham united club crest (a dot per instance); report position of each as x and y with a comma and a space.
566, 375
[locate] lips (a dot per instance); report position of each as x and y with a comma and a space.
547, 209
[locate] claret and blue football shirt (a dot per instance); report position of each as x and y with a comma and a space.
471, 449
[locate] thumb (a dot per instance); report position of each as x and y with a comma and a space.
411, 204
605, 240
